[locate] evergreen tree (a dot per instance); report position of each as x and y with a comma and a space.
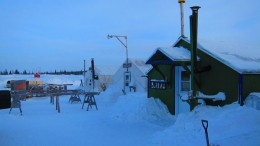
16, 71
5, 72
24, 72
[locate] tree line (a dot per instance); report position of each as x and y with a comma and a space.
24, 72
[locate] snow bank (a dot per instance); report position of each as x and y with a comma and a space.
134, 106
229, 125
253, 100
137, 107
111, 94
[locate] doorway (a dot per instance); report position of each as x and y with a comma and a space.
182, 87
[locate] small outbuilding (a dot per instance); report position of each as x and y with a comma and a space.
223, 75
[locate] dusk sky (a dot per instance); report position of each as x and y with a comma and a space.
44, 35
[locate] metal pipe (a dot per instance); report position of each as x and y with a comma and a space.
193, 42
124, 44
126, 55
182, 20
195, 31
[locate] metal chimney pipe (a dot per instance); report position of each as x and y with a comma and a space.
194, 30
194, 44
182, 17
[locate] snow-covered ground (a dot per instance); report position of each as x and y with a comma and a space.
122, 120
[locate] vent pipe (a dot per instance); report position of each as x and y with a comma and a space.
182, 17
194, 34
194, 44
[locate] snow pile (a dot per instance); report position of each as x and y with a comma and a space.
137, 107
134, 106
110, 96
229, 125
253, 100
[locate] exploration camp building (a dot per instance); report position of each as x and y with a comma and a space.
218, 78
188, 74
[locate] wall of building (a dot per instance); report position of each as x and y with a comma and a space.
166, 96
220, 78
251, 84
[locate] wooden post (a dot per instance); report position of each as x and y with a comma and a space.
57, 104
84, 74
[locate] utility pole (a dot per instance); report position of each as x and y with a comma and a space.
124, 44
127, 74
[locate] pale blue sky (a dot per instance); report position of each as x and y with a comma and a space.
44, 35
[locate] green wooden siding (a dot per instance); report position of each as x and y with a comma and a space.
166, 96
221, 78
251, 84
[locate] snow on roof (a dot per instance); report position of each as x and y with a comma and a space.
243, 59
176, 53
106, 70
140, 64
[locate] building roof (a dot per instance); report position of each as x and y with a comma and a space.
106, 70
176, 53
140, 64
243, 59
138, 68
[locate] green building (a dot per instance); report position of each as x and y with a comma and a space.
221, 78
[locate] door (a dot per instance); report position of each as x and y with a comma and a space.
127, 79
182, 87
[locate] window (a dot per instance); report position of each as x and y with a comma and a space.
185, 81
